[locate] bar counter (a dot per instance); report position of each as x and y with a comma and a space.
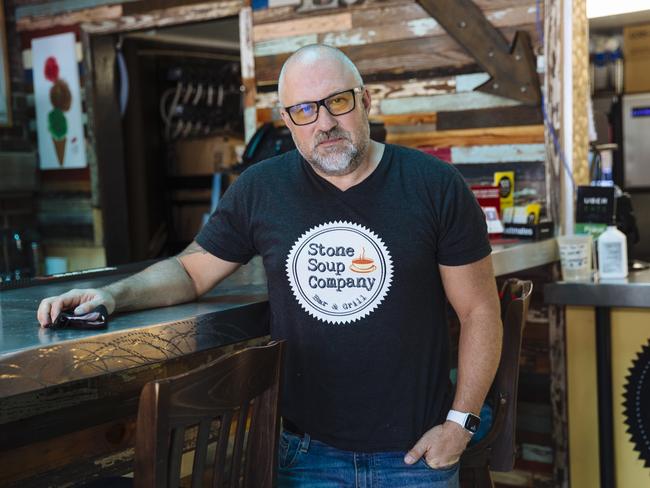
607, 327
68, 398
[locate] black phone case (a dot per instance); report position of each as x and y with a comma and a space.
97, 319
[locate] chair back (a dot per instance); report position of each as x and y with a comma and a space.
497, 449
235, 394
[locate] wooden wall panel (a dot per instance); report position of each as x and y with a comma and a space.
369, 26
525, 134
298, 27
97, 14
500, 117
278, 14
394, 56
195, 12
422, 83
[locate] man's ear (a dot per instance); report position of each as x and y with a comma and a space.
284, 117
366, 100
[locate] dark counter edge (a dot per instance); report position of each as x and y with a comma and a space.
603, 294
114, 392
209, 331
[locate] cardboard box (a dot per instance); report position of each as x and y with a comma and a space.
636, 51
205, 156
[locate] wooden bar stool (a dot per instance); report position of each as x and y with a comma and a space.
496, 451
236, 393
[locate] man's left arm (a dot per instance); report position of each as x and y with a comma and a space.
471, 290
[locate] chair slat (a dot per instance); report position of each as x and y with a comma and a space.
175, 456
238, 448
219, 477
200, 453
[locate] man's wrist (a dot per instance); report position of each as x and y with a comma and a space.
458, 430
467, 420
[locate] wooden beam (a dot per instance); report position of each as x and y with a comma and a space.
166, 17
498, 153
513, 70
98, 14
439, 103
394, 56
340, 29
265, 115
271, 15
471, 137
381, 91
54, 8
490, 117
298, 27
408, 88
248, 71
110, 151
405, 119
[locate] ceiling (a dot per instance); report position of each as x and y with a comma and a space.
617, 22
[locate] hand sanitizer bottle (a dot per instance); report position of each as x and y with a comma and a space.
612, 253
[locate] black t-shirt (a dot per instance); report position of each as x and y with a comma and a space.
355, 289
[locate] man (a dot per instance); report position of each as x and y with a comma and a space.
361, 243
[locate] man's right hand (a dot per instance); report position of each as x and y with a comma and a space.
80, 301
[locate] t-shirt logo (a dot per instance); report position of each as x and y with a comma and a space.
339, 271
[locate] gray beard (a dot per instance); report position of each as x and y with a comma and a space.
337, 163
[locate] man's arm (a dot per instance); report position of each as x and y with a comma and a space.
471, 290
179, 279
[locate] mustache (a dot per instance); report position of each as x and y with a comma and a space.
335, 133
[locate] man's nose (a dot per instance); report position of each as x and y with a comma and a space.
326, 121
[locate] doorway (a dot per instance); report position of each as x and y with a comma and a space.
167, 107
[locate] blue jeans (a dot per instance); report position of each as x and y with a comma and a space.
308, 463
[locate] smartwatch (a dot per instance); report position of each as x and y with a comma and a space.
467, 420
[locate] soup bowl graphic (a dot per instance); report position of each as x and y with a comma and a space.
363, 264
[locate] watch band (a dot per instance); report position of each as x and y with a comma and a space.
466, 420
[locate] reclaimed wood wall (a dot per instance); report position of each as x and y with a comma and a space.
420, 79
69, 201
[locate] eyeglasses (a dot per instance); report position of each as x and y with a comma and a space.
338, 104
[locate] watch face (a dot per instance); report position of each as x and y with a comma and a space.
472, 423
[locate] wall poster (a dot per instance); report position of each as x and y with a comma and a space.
57, 98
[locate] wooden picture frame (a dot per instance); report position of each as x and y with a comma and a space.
5, 82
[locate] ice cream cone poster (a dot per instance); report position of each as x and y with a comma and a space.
57, 96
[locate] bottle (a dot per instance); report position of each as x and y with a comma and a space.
612, 253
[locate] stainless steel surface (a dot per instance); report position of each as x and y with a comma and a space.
636, 143
32, 358
19, 329
633, 291
511, 258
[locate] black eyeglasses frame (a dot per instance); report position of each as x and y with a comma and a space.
321, 103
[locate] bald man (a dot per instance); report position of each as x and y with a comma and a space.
363, 243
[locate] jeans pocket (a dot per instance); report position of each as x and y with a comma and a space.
289, 449
450, 468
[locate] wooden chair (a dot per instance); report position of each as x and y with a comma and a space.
496, 451
231, 390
